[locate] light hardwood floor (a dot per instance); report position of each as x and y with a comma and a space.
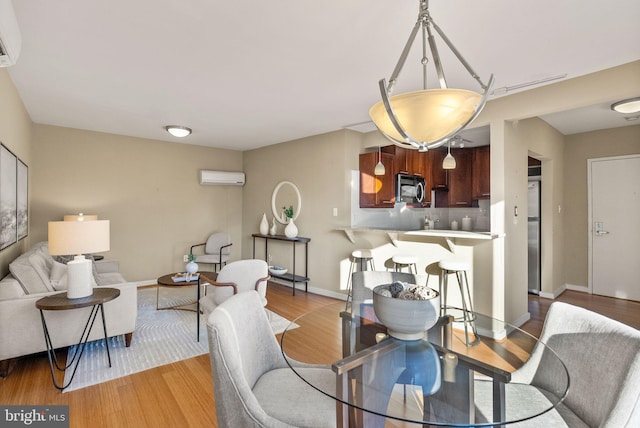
181, 394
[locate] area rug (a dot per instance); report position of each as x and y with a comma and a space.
161, 337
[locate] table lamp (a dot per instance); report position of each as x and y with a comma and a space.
78, 237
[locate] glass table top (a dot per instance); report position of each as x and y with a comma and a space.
436, 380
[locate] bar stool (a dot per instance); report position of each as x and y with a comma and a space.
459, 268
403, 261
363, 259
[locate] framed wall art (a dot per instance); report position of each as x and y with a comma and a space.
8, 198
22, 218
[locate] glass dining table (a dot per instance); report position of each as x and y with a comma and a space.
434, 381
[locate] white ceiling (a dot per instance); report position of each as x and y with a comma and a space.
254, 73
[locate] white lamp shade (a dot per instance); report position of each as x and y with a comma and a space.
80, 217
379, 169
428, 115
78, 237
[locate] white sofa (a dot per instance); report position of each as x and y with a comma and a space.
31, 279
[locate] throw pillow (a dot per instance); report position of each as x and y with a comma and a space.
58, 276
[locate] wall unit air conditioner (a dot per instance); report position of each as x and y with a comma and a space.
10, 37
223, 178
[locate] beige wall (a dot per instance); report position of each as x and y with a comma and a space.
577, 150
15, 134
148, 189
320, 167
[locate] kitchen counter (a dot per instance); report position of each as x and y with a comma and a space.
448, 235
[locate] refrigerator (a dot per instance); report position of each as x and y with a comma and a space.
533, 240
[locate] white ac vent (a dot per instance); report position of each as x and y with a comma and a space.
10, 37
221, 178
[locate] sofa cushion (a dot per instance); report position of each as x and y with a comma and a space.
22, 270
110, 278
43, 268
10, 288
58, 276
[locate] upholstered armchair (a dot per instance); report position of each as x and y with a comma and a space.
602, 357
217, 250
253, 384
236, 277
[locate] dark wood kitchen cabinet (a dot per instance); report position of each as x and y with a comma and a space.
481, 179
439, 179
460, 191
376, 191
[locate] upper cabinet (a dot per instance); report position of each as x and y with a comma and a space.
460, 194
376, 191
481, 172
439, 179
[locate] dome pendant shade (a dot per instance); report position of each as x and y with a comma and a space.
379, 169
427, 116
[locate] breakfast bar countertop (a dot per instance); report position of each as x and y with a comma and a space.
437, 233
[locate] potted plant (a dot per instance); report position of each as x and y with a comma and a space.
291, 231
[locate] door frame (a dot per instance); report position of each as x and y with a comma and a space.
590, 208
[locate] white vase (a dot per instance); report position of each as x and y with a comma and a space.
274, 227
291, 231
264, 225
191, 268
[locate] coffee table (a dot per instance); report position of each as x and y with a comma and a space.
60, 302
167, 281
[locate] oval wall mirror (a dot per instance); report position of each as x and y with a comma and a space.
285, 194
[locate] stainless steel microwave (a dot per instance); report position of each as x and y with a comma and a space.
410, 188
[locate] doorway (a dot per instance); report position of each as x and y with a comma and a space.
614, 232
533, 225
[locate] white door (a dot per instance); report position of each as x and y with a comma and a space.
614, 213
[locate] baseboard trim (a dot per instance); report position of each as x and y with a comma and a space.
311, 289
555, 293
580, 288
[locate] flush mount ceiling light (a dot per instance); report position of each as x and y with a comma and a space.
178, 131
630, 106
427, 118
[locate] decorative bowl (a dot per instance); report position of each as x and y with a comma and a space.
277, 270
405, 319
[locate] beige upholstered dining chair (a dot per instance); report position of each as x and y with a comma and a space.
602, 357
236, 277
253, 385
217, 250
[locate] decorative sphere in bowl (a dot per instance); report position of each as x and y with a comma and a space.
406, 317
277, 270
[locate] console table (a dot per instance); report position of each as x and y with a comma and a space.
287, 276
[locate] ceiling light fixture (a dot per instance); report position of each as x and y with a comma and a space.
630, 106
427, 118
178, 131
379, 169
449, 162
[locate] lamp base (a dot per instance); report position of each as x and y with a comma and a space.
79, 278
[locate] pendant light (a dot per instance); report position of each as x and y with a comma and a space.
379, 169
427, 118
449, 162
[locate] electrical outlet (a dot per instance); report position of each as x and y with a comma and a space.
185, 258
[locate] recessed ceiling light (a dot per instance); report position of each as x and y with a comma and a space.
632, 105
178, 131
